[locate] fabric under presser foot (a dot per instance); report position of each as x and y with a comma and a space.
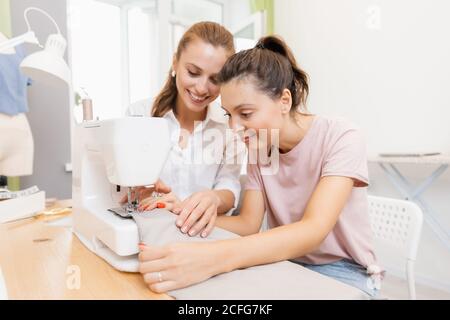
121, 212
281, 280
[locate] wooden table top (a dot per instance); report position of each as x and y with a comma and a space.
41, 261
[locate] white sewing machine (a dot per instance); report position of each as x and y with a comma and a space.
130, 152
109, 157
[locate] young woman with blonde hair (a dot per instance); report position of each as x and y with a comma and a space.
201, 177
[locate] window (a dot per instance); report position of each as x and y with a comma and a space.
199, 10
121, 50
95, 54
187, 12
142, 56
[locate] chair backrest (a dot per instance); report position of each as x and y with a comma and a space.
397, 224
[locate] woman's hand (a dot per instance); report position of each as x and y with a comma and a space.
178, 265
198, 213
167, 201
140, 193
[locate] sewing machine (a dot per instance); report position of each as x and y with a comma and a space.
109, 158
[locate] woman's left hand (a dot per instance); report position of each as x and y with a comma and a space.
198, 213
177, 265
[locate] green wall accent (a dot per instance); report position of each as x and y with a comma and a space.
14, 183
5, 18
5, 28
259, 5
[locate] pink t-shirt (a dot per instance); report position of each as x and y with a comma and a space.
331, 147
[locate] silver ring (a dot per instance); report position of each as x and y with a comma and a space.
160, 279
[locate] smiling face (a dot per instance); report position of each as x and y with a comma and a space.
254, 113
196, 71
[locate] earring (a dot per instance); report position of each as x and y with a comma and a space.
173, 74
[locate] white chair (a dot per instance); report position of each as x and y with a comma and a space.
397, 224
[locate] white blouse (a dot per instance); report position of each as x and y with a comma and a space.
212, 159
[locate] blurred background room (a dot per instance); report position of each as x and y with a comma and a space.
383, 64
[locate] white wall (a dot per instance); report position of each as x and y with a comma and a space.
392, 74
385, 65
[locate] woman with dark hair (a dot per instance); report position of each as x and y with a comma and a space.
313, 188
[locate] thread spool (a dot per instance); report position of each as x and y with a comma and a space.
87, 109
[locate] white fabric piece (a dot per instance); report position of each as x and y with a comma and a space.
275, 281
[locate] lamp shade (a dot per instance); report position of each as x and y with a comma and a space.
48, 65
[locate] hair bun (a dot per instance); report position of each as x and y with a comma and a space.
273, 66
272, 43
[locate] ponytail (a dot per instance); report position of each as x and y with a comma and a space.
166, 99
272, 65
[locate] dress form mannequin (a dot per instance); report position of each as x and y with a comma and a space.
7, 51
16, 146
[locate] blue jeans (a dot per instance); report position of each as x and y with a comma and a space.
348, 272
